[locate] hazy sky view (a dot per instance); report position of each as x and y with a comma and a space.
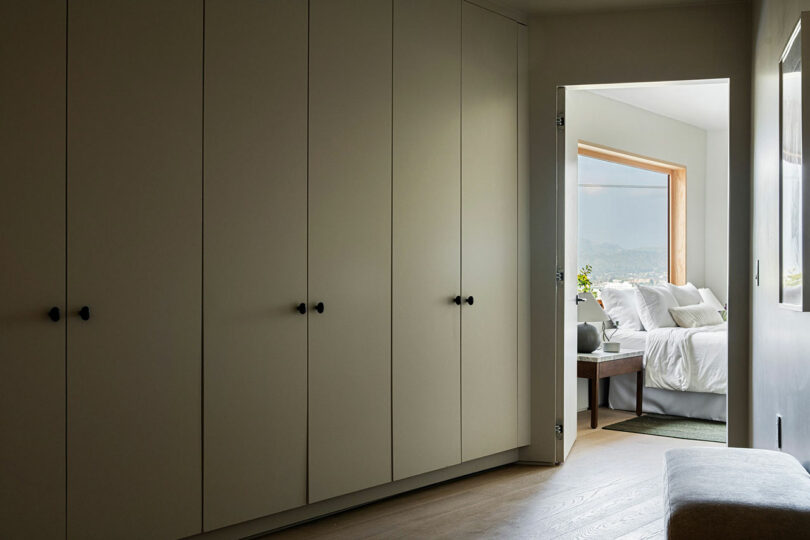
623, 223
632, 217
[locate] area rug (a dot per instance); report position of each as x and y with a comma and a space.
673, 426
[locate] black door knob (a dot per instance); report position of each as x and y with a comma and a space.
470, 300
84, 313
457, 300
302, 308
54, 313
319, 307
578, 300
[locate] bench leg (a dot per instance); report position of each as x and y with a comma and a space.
639, 391
594, 384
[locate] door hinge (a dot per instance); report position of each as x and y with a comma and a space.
558, 431
560, 275
561, 121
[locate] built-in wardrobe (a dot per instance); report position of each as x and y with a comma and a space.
260, 258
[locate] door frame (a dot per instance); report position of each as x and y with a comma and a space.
559, 300
570, 428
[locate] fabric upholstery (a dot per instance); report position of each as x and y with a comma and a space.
735, 493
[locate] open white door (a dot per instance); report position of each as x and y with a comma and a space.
566, 320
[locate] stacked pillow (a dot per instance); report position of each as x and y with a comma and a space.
686, 295
650, 307
696, 315
621, 307
653, 306
697, 307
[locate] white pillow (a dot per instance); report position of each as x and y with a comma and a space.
686, 295
696, 315
621, 307
710, 299
653, 307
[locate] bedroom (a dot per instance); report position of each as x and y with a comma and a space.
656, 156
307, 269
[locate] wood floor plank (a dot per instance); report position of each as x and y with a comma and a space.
610, 487
653, 530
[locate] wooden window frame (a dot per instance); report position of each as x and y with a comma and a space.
676, 218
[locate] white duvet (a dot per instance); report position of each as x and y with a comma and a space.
687, 359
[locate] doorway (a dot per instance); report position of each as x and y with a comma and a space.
643, 204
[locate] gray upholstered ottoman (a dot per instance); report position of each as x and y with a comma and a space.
735, 493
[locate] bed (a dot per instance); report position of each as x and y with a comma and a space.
686, 368
622, 390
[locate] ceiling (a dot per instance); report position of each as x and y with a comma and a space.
536, 7
703, 104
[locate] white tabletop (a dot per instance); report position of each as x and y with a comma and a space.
600, 356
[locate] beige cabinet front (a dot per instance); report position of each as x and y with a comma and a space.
32, 269
349, 246
426, 321
489, 232
255, 271
134, 217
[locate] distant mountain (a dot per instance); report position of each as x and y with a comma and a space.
611, 261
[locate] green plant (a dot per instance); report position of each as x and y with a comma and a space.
793, 279
584, 279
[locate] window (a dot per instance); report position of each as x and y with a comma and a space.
631, 218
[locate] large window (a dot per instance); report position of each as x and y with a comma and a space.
629, 230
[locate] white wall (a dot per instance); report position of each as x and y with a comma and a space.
597, 119
716, 214
604, 121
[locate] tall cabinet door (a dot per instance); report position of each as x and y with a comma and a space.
134, 263
426, 236
489, 237
32, 271
255, 340
349, 246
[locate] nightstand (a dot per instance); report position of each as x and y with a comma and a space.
598, 365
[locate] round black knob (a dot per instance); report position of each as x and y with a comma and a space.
319, 307
54, 313
84, 313
470, 300
457, 300
302, 308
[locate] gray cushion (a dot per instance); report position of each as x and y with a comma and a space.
735, 493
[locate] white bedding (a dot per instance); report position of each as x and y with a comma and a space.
682, 359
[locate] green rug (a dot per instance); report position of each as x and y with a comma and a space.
673, 426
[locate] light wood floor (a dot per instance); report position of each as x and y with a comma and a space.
610, 487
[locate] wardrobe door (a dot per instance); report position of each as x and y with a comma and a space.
32, 271
134, 268
255, 271
524, 247
489, 238
426, 321
349, 246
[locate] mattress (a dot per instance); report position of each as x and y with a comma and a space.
622, 390
622, 396
629, 339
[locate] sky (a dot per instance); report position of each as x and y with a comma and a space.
632, 217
